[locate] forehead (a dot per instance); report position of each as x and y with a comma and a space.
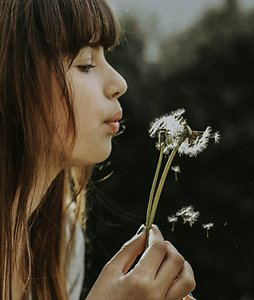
89, 52
85, 51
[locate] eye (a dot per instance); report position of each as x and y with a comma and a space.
86, 68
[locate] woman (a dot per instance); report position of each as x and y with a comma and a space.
59, 109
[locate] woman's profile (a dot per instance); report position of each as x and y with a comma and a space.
59, 110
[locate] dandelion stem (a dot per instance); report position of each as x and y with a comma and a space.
155, 179
160, 187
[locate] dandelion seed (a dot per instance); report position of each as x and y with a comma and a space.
188, 214
191, 218
173, 219
184, 211
216, 137
176, 169
207, 227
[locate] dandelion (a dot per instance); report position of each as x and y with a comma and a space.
173, 131
174, 135
176, 169
207, 227
173, 219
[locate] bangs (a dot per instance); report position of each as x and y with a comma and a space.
66, 26
88, 23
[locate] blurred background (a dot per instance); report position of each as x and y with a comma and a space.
197, 55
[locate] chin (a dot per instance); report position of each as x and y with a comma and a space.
103, 156
94, 157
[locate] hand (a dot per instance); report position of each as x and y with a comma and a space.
161, 273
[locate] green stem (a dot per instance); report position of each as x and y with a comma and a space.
150, 202
160, 187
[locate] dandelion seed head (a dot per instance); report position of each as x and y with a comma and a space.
169, 129
155, 127
173, 131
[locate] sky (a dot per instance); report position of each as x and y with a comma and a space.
171, 15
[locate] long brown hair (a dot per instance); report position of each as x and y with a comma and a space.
34, 38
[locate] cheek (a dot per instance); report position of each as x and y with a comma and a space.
86, 106
84, 115
93, 142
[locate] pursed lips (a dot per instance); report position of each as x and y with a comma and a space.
113, 122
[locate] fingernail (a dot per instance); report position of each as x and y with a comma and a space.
190, 294
155, 226
141, 229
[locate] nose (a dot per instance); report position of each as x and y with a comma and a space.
116, 85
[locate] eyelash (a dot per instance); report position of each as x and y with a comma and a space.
86, 68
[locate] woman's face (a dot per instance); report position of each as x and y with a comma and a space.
96, 88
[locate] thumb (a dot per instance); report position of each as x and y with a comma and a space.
126, 256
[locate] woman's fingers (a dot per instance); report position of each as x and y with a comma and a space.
171, 267
125, 257
183, 285
154, 255
161, 273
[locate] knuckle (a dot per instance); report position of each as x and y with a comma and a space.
109, 267
189, 283
138, 283
126, 245
189, 277
177, 258
106, 267
129, 245
159, 247
168, 244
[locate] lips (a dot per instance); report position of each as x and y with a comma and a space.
113, 122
